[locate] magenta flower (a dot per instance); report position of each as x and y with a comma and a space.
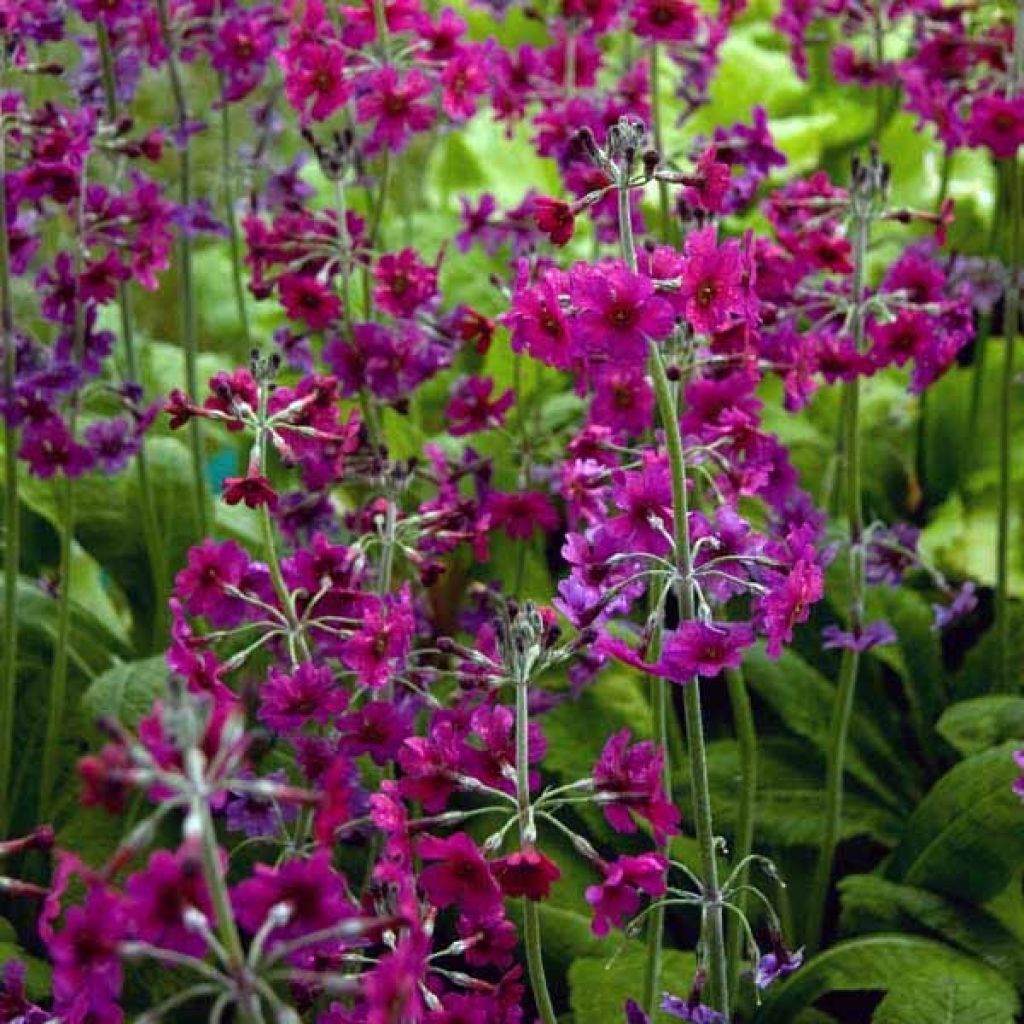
538, 322
675, 21
645, 498
633, 775
314, 75
396, 104
403, 283
711, 284
998, 123
464, 80
618, 897
527, 872
617, 313
459, 877
87, 970
520, 513
306, 695
703, 649
623, 400
312, 889
158, 897
378, 649
309, 300
471, 409
789, 603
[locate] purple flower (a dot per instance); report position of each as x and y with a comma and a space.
634, 1015
777, 963
257, 816
113, 443
687, 1009
873, 635
964, 601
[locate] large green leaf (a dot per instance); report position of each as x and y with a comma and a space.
872, 904
600, 987
972, 726
979, 673
128, 691
803, 699
789, 807
926, 983
967, 836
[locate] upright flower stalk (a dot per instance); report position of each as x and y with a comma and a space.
865, 193
743, 846
624, 143
712, 924
189, 337
1011, 327
522, 656
9, 680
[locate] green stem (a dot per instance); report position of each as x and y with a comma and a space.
664, 205
234, 240
714, 937
12, 521
626, 242
656, 920
531, 914
57, 696
190, 340
843, 707
1011, 319
216, 884
743, 721
151, 529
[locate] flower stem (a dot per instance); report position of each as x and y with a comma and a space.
57, 696
189, 336
531, 913
665, 208
234, 240
743, 721
216, 884
12, 520
714, 938
842, 710
151, 529
1011, 327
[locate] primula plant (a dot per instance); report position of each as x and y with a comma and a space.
511, 513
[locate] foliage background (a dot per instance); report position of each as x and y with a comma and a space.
931, 917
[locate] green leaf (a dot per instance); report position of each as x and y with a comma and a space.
128, 691
980, 670
966, 838
803, 700
37, 972
917, 657
871, 903
789, 807
927, 983
972, 726
599, 988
